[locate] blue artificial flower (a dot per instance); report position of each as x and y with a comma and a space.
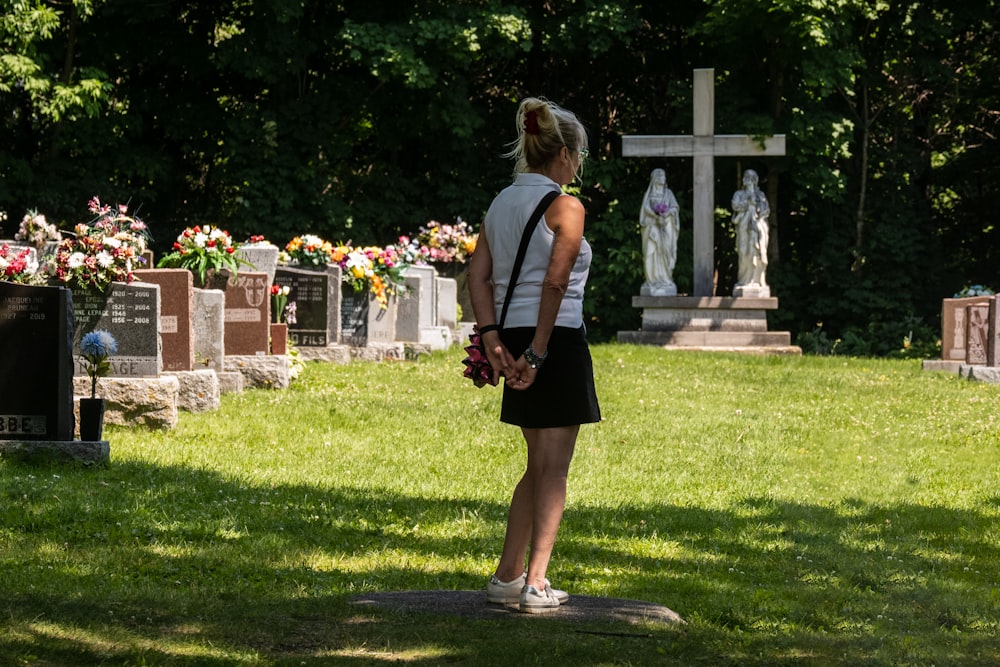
98, 344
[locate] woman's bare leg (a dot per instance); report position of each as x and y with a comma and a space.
537, 504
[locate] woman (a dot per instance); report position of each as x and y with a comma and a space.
542, 350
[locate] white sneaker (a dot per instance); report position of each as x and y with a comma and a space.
562, 596
534, 601
499, 592
504, 592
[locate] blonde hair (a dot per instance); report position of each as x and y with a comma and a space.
543, 128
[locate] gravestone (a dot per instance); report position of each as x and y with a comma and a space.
317, 298
447, 300
977, 317
248, 314
954, 326
36, 363
363, 322
208, 322
131, 314
40, 254
417, 314
176, 327
262, 257
14, 248
993, 343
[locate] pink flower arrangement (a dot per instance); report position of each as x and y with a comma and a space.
438, 243
105, 250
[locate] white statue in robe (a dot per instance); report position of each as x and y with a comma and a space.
660, 226
750, 215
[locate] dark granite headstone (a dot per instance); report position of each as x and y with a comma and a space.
248, 314
130, 313
36, 363
354, 318
363, 321
176, 303
316, 295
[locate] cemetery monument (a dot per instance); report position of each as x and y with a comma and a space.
703, 320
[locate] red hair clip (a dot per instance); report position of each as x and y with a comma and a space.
531, 122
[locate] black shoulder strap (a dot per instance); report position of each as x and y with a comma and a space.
522, 250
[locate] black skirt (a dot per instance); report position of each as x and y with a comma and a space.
563, 393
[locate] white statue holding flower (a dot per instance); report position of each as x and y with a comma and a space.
660, 226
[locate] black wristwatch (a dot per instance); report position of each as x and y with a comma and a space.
534, 359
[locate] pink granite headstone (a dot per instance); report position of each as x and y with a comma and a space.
248, 314
176, 327
977, 317
954, 326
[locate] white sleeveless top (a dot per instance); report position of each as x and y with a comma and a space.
504, 223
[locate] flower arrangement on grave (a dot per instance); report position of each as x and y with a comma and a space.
34, 229
370, 268
96, 349
309, 250
437, 243
17, 265
201, 249
104, 251
280, 306
974, 290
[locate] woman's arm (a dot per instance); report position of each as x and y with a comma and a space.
565, 218
480, 277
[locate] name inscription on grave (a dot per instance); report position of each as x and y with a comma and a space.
22, 425
15, 308
310, 292
130, 313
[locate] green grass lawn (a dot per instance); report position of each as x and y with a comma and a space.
809, 510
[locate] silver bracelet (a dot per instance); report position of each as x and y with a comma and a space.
534, 359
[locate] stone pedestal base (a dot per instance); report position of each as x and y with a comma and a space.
336, 354
709, 323
752, 291
150, 402
198, 391
264, 371
661, 289
95, 452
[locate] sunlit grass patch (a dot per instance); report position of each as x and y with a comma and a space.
801, 510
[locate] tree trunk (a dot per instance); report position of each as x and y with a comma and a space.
859, 221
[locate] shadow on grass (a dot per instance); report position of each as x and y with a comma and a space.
137, 564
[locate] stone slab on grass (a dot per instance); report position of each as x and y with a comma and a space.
260, 371
472, 604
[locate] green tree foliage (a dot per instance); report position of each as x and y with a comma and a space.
360, 121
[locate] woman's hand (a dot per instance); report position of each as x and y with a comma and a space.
521, 375
498, 355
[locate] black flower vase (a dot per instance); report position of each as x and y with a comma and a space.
91, 419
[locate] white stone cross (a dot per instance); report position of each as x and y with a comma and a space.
703, 146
